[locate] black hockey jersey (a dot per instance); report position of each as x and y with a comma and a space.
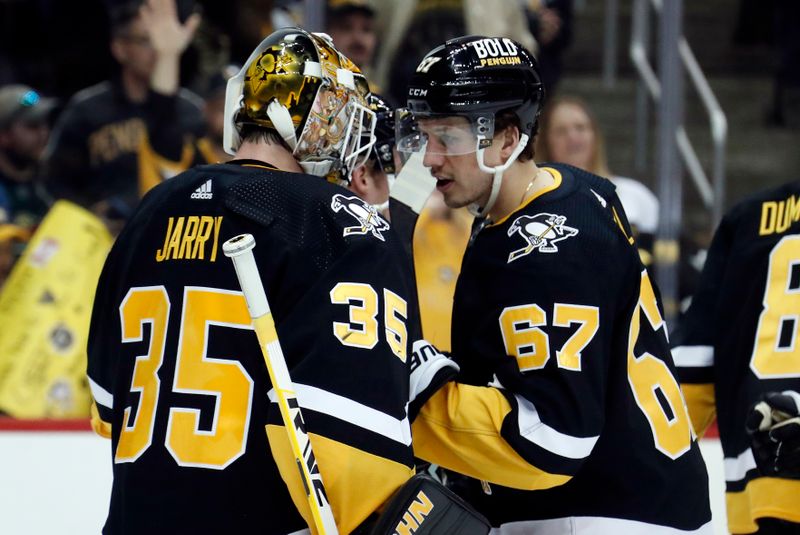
178, 377
583, 426
741, 337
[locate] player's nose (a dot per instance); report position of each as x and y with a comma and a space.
432, 159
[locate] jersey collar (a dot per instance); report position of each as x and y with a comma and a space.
244, 162
556, 183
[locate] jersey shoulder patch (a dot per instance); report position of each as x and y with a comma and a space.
365, 216
541, 232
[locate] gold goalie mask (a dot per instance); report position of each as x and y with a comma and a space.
299, 85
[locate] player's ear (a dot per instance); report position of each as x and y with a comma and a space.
510, 138
359, 181
118, 49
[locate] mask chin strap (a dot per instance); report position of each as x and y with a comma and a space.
497, 180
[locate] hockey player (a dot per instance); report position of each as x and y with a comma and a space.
176, 372
740, 340
566, 402
372, 180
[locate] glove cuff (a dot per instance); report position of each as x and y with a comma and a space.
430, 369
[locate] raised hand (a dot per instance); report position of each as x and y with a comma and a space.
167, 35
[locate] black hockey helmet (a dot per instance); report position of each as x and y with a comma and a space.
478, 76
460, 87
382, 151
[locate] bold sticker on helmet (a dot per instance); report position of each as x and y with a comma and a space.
494, 47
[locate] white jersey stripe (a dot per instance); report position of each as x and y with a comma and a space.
533, 429
101, 395
737, 467
693, 356
353, 412
594, 525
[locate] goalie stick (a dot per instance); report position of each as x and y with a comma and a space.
240, 250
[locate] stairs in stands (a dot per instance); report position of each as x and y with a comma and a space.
758, 156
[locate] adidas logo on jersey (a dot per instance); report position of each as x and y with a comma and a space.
204, 191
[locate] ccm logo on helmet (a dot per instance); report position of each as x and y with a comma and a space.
496, 51
417, 92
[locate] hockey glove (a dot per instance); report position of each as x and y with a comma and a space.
423, 506
774, 427
430, 370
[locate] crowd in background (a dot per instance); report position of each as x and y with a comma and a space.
99, 104
102, 100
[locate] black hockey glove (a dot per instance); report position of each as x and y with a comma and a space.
430, 370
774, 427
423, 506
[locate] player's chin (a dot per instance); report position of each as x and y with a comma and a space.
454, 201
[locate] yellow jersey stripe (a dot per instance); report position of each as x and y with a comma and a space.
762, 497
459, 429
357, 483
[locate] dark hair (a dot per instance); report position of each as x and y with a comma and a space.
506, 119
122, 14
255, 133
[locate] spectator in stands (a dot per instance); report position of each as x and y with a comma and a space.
787, 71
550, 23
351, 25
569, 133
12, 239
773, 23
97, 155
210, 146
440, 240
24, 129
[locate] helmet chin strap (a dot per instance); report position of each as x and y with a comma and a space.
497, 180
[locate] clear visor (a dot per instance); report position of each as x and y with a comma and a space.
441, 133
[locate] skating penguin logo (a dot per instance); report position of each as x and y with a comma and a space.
369, 220
541, 231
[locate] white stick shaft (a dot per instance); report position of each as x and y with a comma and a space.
240, 250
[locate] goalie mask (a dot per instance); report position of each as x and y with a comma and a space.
455, 94
297, 84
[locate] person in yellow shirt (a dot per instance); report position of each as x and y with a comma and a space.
440, 239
